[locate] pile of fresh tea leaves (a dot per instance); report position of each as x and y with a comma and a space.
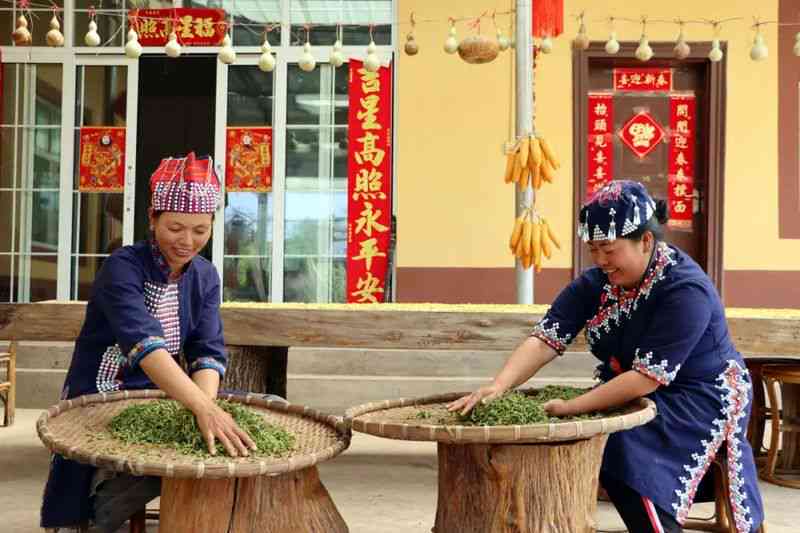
516, 408
166, 422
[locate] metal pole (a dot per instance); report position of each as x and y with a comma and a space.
524, 124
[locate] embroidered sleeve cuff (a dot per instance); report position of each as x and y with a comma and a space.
207, 362
547, 331
144, 347
644, 364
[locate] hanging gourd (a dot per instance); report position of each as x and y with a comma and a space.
54, 37
173, 47
372, 62
92, 38
266, 62
133, 49
227, 54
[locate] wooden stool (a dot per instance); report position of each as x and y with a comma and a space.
756, 427
785, 425
8, 388
723, 514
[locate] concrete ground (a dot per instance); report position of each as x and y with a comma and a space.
379, 485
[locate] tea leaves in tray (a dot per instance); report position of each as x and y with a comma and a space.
513, 408
168, 423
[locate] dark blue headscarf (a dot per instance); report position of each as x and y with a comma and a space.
618, 209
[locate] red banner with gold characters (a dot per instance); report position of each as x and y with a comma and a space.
369, 182
194, 27
102, 163
682, 121
248, 160
601, 146
642, 79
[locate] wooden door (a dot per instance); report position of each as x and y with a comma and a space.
696, 77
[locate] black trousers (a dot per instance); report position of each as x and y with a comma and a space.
639, 513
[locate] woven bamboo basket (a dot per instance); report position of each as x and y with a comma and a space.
380, 418
76, 429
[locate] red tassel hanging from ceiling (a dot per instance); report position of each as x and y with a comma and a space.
548, 18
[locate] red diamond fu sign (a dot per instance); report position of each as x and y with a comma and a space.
641, 134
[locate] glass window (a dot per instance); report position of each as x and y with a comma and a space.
251, 19
316, 186
247, 261
355, 16
30, 166
101, 96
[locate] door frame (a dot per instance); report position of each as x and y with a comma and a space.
715, 115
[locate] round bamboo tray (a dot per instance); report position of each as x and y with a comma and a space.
76, 429
380, 418
507, 479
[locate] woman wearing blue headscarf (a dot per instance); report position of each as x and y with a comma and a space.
655, 321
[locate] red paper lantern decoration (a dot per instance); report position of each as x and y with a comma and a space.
548, 18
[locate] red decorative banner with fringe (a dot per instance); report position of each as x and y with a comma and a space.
682, 122
248, 160
548, 18
369, 183
601, 145
102, 162
193, 26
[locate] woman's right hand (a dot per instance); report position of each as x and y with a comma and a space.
214, 423
486, 394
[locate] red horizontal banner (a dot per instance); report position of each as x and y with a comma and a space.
194, 27
642, 79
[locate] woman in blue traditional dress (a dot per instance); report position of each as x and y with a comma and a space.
150, 302
654, 320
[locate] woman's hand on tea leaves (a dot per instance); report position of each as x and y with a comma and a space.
557, 407
486, 394
215, 423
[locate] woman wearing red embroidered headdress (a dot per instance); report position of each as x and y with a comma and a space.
654, 320
150, 302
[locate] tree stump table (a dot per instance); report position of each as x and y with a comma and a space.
217, 494
538, 478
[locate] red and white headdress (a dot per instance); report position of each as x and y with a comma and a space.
185, 185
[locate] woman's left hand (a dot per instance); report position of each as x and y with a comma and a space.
557, 407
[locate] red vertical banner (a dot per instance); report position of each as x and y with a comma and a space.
682, 123
369, 182
601, 146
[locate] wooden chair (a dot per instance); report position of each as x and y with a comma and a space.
722, 521
8, 388
785, 422
757, 426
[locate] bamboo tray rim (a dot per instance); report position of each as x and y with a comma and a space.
198, 468
642, 411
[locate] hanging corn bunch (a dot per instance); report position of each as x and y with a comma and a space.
532, 239
531, 162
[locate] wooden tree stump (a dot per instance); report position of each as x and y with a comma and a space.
296, 501
519, 488
259, 369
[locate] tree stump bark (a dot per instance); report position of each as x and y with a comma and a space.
519, 488
260, 369
296, 501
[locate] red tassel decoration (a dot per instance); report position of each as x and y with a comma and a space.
548, 18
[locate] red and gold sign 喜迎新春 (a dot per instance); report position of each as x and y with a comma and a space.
642, 79
369, 183
102, 159
600, 148
248, 160
683, 109
193, 26
641, 134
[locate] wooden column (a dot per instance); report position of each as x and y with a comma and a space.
257, 369
519, 488
296, 501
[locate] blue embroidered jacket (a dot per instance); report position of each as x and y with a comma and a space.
119, 331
